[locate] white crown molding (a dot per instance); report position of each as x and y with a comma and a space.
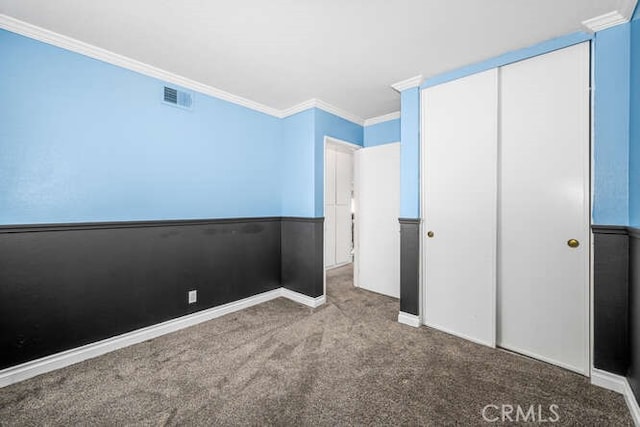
381, 119
325, 106
50, 37
339, 112
408, 83
605, 21
46, 364
59, 40
298, 108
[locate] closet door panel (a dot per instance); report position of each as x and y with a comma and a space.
344, 177
459, 129
544, 202
330, 177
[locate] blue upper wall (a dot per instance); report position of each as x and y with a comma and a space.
82, 140
611, 70
634, 132
410, 153
327, 124
382, 133
298, 164
303, 158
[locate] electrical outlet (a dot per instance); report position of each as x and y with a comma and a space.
192, 296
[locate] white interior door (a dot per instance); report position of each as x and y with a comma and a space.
378, 208
542, 282
337, 209
460, 207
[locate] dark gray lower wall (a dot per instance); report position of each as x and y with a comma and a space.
409, 265
65, 286
617, 302
303, 255
633, 373
611, 299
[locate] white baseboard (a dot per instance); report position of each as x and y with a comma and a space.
303, 299
33, 368
409, 319
619, 384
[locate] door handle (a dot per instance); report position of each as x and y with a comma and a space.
573, 243
430, 234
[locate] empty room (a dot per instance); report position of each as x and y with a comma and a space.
301, 213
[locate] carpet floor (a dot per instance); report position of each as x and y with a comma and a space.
279, 363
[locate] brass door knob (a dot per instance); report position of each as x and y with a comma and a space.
573, 243
430, 234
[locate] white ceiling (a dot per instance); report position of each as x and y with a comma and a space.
283, 52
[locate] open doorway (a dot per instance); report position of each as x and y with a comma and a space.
339, 203
361, 209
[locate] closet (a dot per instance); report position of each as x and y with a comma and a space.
338, 195
506, 207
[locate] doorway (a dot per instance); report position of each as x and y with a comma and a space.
338, 203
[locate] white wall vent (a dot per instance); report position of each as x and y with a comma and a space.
177, 97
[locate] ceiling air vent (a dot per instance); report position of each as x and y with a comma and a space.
177, 97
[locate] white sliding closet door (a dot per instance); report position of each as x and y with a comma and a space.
543, 283
459, 131
377, 212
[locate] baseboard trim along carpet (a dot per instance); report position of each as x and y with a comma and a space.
302, 298
619, 384
50, 363
409, 319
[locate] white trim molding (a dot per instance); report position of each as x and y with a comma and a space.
619, 384
46, 364
409, 319
605, 21
74, 45
414, 81
303, 299
320, 104
381, 119
50, 37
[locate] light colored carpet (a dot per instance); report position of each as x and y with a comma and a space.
279, 363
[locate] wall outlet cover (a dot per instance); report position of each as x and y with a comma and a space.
192, 296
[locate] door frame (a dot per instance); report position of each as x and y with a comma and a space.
352, 147
588, 188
